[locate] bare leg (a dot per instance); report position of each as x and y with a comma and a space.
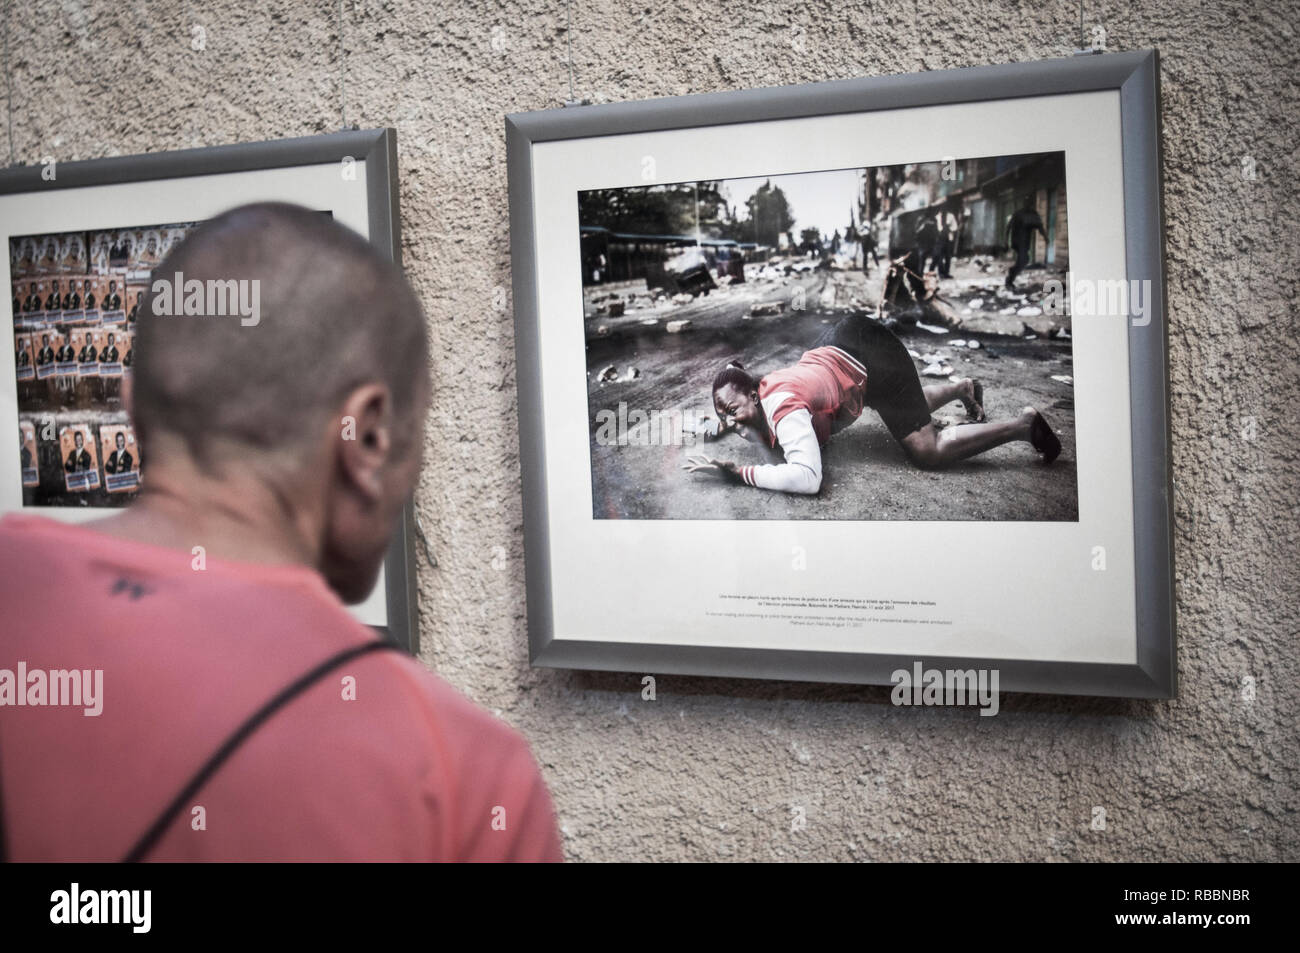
930, 448
936, 395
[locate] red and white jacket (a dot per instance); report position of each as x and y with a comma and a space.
804, 405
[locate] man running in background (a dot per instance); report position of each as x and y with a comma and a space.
1020, 235
272, 493
949, 228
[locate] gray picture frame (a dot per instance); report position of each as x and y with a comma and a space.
1135, 76
377, 148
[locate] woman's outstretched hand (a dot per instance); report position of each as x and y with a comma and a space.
699, 463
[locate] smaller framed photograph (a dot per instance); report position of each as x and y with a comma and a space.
81, 251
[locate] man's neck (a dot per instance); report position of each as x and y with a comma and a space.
239, 516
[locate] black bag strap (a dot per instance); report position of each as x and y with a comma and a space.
159, 827
4, 841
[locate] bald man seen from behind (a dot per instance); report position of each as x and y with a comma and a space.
281, 444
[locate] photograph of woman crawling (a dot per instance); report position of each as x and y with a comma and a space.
856, 364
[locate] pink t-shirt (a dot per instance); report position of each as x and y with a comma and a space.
827, 382
406, 769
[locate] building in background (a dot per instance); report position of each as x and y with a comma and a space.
984, 193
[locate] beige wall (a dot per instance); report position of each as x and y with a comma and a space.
713, 767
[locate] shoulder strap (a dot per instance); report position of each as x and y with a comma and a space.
159, 827
4, 841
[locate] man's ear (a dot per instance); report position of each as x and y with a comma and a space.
364, 436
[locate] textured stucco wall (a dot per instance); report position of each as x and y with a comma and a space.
713, 767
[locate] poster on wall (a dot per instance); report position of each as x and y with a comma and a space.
83, 245
70, 381
826, 382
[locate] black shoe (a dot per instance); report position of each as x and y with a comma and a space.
1044, 439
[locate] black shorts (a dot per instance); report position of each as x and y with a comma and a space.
893, 386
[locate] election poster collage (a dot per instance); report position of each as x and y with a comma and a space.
75, 298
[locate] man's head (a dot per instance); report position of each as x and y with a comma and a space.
110, 338
85, 285
120, 440
112, 286
1029, 203
77, 439
90, 339
45, 340
327, 390
735, 398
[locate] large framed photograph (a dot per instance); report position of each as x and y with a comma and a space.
830, 382
83, 239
